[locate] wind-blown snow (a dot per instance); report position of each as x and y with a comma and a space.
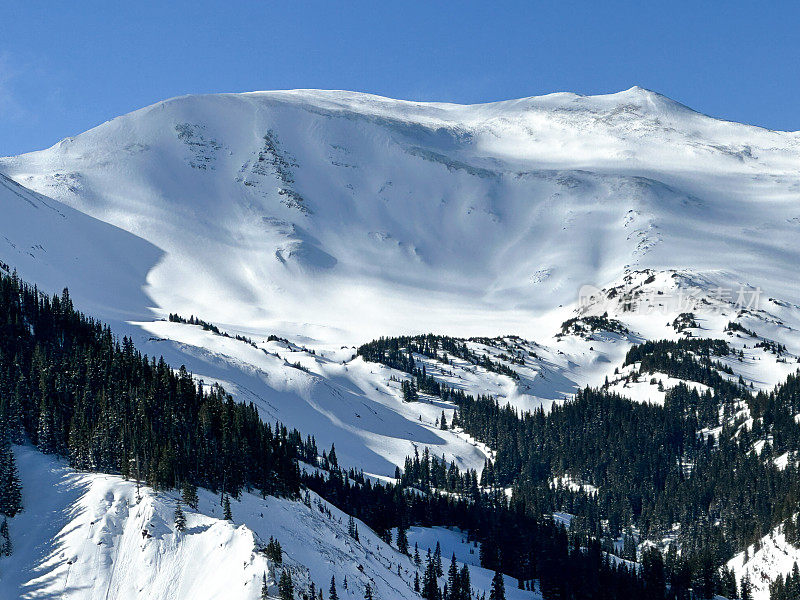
333, 217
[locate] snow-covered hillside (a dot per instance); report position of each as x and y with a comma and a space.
93, 536
345, 216
328, 218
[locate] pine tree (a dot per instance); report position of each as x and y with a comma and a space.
285, 586
332, 457
226, 508
10, 485
180, 518
351, 526
368, 592
417, 559
464, 584
746, 588
189, 494
443, 422
430, 585
402, 540
498, 591
5, 540
416, 581
437, 560
332, 595
652, 571
452, 577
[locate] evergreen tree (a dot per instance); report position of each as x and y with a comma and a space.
746, 588
10, 485
437, 560
653, 576
465, 586
498, 591
5, 539
264, 587
332, 595
368, 592
285, 586
180, 518
189, 494
452, 574
430, 585
402, 540
332, 458
226, 508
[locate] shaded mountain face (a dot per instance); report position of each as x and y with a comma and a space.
342, 216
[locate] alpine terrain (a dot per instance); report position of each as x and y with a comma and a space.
324, 344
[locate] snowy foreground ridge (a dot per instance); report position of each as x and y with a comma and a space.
89, 537
314, 221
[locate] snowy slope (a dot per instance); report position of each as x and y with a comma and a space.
288, 210
763, 563
87, 536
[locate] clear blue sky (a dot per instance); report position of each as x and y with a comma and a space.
67, 66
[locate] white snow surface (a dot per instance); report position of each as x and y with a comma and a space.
346, 216
85, 536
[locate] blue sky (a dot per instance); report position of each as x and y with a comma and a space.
67, 66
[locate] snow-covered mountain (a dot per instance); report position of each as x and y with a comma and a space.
295, 211
310, 222
329, 218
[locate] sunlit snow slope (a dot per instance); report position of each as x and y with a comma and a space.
346, 216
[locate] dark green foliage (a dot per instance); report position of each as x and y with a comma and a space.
189, 494
226, 508
83, 394
273, 551
285, 586
264, 588
498, 591
397, 352
180, 518
6, 548
402, 540
585, 326
10, 485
